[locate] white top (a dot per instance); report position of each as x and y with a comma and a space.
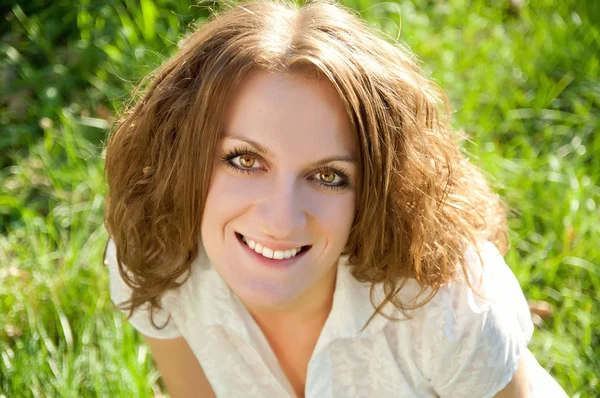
457, 345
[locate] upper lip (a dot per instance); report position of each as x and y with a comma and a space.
280, 245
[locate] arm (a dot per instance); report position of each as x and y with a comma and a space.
480, 340
179, 369
518, 387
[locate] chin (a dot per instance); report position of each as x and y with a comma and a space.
263, 294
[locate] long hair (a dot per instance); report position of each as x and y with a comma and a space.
420, 202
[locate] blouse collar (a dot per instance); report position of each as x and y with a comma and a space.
218, 305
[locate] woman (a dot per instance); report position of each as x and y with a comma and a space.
289, 206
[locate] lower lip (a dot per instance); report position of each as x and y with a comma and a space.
269, 262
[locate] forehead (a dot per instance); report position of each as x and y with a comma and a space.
289, 110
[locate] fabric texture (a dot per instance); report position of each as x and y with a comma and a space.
457, 345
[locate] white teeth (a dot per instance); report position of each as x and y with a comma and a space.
266, 252
278, 254
270, 253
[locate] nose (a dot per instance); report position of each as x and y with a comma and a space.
281, 214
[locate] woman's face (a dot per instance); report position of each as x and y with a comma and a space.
284, 178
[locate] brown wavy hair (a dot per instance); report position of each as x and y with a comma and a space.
420, 202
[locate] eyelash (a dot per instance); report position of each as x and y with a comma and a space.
235, 152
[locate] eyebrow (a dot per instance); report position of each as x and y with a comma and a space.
266, 151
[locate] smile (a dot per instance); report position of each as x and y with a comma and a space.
272, 253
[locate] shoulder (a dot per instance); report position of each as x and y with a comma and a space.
494, 291
471, 343
120, 292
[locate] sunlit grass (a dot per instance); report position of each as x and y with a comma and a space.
524, 87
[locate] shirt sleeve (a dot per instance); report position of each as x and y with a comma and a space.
473, 345
120, 292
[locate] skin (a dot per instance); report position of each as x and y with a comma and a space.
294, 122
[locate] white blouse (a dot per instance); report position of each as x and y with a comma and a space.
457, 345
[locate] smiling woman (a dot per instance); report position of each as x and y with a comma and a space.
284, 181
288, 202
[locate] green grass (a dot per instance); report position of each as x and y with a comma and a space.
525, 88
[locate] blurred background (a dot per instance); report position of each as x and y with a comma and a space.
523, 80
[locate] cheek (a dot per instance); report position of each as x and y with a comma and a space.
227, 192
336, 214
227, 197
